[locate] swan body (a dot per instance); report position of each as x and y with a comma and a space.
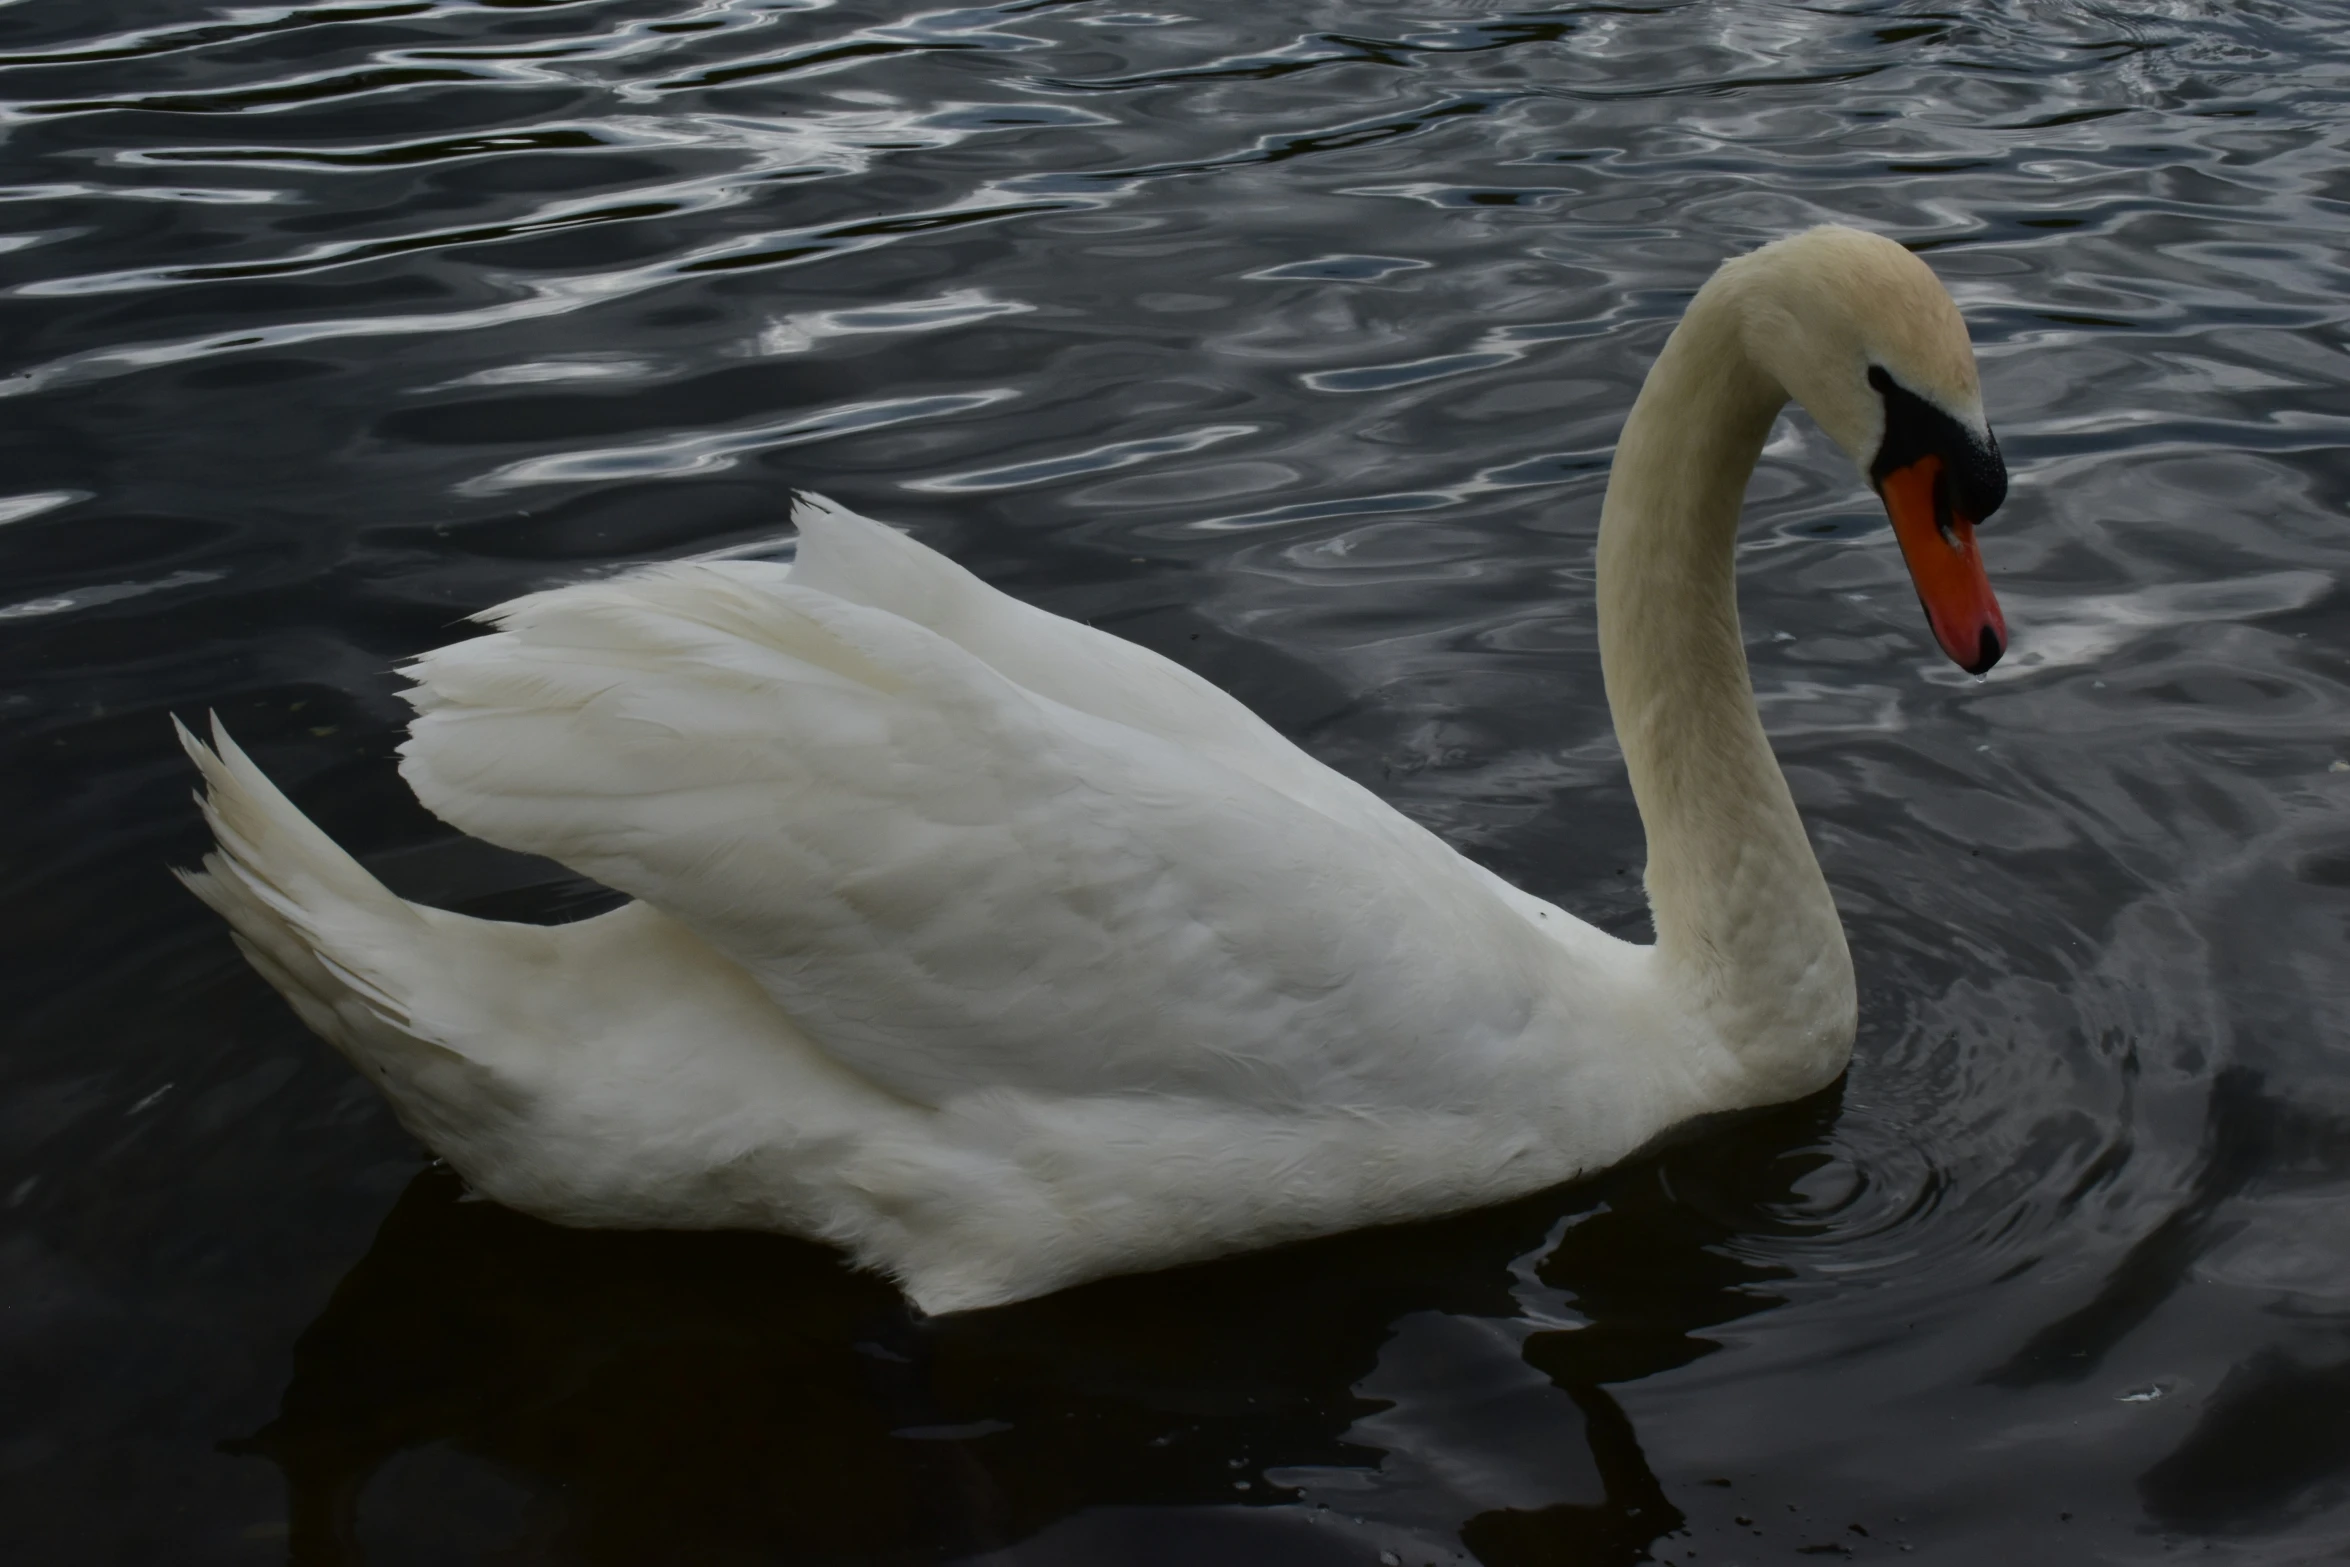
1004, 954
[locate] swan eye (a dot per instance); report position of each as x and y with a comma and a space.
1974, 474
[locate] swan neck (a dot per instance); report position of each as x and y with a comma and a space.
1746, 930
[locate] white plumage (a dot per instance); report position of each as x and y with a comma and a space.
1003, 953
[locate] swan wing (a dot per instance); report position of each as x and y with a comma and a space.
865, 562
952, 881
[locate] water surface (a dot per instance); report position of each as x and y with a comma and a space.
1289, 339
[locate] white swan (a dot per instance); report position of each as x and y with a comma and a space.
1004, 954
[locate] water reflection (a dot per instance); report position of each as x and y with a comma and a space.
2251, 1139
725, 1397
2268, 1452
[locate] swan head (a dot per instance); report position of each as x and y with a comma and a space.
1864, 336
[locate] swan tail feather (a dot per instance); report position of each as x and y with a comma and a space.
337, 944
281, 883
523, 1054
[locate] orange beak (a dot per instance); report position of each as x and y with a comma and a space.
1939, 547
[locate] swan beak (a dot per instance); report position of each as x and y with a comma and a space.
1939, 546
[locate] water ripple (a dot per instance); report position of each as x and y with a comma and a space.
1097, 459
708, 453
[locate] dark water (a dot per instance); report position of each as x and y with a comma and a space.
1289, 339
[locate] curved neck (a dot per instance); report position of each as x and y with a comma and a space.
1746, 929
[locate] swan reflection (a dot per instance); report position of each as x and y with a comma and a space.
480, 1379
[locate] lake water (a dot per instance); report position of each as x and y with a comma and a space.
1289, 339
